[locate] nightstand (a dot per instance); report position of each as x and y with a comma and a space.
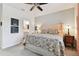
69, 41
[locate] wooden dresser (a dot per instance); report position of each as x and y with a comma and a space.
69, 41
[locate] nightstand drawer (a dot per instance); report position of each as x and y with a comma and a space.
69, 40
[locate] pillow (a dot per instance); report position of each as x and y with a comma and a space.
54, 31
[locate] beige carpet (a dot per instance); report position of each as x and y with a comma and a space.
20, 51
70, 52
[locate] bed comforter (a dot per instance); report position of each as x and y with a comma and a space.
45, 44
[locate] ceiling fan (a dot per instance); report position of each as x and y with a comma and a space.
36, 5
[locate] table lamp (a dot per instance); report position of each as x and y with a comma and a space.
68, 27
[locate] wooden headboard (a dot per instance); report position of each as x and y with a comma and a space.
59, 27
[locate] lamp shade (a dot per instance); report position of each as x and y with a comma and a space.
68, 27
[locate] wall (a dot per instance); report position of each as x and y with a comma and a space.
0, 10
65, 16
9, 39
0, 26
77, 20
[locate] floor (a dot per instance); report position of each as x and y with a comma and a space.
19, 50
70, 52
16, 51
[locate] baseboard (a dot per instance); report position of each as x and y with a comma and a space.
10, 45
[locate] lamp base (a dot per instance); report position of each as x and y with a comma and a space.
68, 32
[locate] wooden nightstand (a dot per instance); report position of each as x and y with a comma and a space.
69, 41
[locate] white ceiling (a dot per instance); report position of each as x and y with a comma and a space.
47, 9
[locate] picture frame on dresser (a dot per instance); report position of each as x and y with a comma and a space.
14, 25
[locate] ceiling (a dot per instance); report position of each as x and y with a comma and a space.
47, 9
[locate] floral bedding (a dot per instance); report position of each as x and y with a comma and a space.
53, 45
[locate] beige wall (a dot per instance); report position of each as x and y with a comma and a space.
66, 17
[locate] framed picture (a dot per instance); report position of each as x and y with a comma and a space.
14, 25
14, 22
14, 29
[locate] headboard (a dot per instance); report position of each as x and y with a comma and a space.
53, 29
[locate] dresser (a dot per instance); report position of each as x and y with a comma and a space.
69, 41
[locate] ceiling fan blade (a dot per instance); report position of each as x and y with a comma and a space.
32, 8
39, 8
42, 3
36, 3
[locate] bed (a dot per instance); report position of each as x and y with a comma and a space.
46, 44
